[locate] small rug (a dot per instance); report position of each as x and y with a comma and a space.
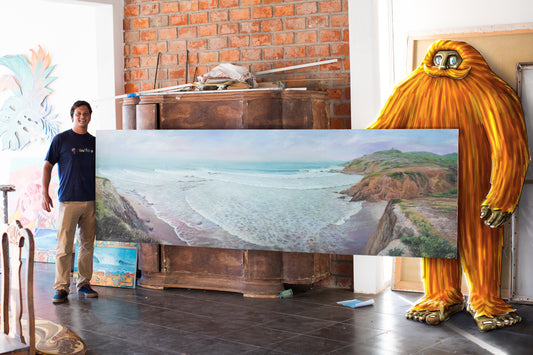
53, 338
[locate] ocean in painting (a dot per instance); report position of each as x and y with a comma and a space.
269, 205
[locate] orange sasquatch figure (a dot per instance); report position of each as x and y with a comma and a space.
455, 88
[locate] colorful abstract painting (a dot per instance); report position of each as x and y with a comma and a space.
114, 264
381, 192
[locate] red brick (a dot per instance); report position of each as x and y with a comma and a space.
306, 8
283, 10
170, 7
239, 41
141, 22
295, 52
251, 54
139, 49
255, 67
132, 87
207, 4
198, 44
148, 36
150, 9
250, 2
306, 37
335, 93
131, 36
207, 30
347, 92
229, 3
161, 74
330, 36
346, 35
272, 25
260, 40
127, 76
132, 62
179, 20
218, 16
339, 20
230, 56
126, 24
283, 38
148, 61
199, 17
261, 12
208, 57
294, 23
346, 63
158, 47
273, 53
168, 33
229, 28
159, 21
341, 109
147, 86
182, 58
169, 59
188, 5
218, 43
340, 49
331, 6
178, 73
127, 50
239, 14
336, 123
187, 32
320, 50
176, 46
250, 27
130, 11
318, 22
139, 75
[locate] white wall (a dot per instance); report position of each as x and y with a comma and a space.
379, 32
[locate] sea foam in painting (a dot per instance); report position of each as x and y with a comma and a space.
286, 190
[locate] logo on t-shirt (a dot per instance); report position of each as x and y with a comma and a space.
82, 150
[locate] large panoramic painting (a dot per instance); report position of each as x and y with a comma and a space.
373, 192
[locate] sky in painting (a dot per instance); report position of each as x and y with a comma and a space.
267, 145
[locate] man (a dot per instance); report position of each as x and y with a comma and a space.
73, 151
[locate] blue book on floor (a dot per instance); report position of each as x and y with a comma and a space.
356, 303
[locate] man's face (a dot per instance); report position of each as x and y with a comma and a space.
81, 117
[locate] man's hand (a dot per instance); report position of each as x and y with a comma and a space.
494, 217
47, 202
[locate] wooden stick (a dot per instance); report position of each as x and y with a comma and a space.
296, 67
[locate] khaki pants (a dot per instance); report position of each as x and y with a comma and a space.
70, 215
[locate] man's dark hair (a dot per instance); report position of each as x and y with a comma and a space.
78, 104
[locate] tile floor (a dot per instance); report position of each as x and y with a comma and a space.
181, 321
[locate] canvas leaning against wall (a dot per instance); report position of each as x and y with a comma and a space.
372, 192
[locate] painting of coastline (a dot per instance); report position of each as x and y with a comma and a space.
372, 192
114, 264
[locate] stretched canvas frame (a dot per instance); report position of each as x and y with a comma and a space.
284, 190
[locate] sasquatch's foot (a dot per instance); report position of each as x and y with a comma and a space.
486, 323
434, 317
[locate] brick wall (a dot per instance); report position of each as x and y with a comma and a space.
258, 34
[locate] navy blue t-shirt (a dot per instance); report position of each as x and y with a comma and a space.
74, 155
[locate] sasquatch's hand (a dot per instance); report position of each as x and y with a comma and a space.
494, 217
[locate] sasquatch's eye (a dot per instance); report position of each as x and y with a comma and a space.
437, 60
453, 60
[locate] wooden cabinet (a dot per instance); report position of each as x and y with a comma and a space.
254, 273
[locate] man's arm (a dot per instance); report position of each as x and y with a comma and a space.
47, 175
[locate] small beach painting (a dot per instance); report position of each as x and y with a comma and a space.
370, 192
